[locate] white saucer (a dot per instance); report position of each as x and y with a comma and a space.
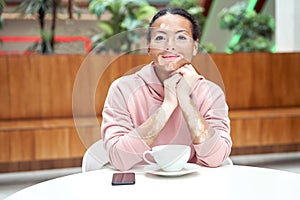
187, 169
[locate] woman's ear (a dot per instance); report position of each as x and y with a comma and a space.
195, 47
148, 48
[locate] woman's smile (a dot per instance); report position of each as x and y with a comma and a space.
170, 57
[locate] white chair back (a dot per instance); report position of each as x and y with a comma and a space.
95, 157
228, 161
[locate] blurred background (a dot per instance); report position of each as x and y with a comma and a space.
254, 43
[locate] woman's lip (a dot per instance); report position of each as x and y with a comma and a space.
170, 56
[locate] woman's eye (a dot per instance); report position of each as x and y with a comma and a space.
182, 37
159, 38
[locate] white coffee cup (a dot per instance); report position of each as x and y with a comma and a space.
169, 157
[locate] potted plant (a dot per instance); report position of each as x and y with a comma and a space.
255, 31
41, 8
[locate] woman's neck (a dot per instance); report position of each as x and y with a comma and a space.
161, 74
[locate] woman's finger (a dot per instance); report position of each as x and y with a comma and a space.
187, 69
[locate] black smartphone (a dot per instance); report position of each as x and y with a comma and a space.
126, 178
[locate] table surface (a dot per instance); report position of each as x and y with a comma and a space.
225, 182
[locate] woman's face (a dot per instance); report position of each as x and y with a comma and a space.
172, 43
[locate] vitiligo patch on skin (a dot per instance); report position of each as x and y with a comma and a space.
163, 25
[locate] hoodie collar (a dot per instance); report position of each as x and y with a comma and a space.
148, 74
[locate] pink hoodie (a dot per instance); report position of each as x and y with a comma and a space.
132, 99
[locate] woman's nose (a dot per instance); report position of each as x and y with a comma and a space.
170, 46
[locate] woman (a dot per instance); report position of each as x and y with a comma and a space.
167, 102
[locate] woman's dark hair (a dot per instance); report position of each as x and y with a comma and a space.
176, 11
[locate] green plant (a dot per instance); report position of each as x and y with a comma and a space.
192, 6
125, 15
2, 6
208, 47
72, 7
255, 30
41, 8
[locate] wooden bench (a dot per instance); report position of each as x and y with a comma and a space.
263, 94
37, 129
265, 130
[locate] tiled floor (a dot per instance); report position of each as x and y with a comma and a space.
284, 161
12, 182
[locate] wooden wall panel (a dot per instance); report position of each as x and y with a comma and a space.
57, 75
41, 86
260, 80
4, 147
76, 146
51, 144
22, 146
16, 146
23, 84
245, 132
285, 79
4, 89
265, 131
36, 116
40, 144
38, 86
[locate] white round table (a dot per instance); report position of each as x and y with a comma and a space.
226, 182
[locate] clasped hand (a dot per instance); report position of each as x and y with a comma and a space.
178, 87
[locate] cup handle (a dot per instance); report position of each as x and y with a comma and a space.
145, 159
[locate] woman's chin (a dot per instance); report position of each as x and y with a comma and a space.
168, 66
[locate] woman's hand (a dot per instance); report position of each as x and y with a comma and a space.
150, 129
199, 128
170, 85
185, 85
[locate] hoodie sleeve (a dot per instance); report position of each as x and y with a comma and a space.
214, 109
121, 141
